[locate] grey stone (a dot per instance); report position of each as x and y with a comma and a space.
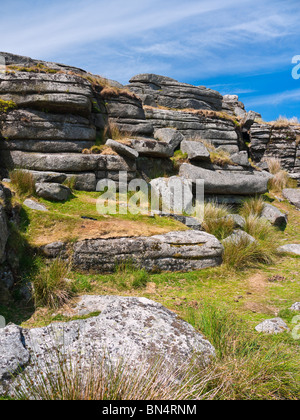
237, 236
42, 176
175, 193
58, 92
240, 158
272, 326
13, 354
174, 251
34, 205
295, 307
152, 148
54, 250
52, 191
290, 248
195, 150
85, 181
292, 195
225, 182
170, 136
136, 330
54, 162
122, 149
274, 216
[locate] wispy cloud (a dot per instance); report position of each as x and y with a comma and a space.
276, 98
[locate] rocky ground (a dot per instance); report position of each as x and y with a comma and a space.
220, 294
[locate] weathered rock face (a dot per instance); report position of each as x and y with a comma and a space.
218, 131
280, 142
145, 331
175, 251
157, 90
60, 92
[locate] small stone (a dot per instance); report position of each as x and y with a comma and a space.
31, 204
272, 326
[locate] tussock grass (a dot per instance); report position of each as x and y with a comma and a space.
218, 157
281, 177
252, 206
51, 286
241, 253
216, 221
23, 182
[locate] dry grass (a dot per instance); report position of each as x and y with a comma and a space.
218, 157
252, 206
51, 287
216, 221
274, 165
23, 182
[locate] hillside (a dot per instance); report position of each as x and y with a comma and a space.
159, 219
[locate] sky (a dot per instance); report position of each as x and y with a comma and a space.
233, 46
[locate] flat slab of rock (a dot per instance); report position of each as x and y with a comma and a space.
272, 326
122, 149
274, 215
31, 204
195, 150
290, 248
226, 182
293, 195
175, 251
52, 191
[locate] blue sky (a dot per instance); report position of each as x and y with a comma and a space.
234, 46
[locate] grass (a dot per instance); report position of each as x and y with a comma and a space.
218, 157
216, 220
252, 206
281, 178
23, 182
51, 286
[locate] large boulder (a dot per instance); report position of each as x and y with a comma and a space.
227, 182
174, 251
135, 330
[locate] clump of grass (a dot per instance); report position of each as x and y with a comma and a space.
69, 377
51, 286
252, 206
112, 131
274, 165
242, 253
281, 178
260, 228
216, 221
23, 182
129, 276
218, 157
